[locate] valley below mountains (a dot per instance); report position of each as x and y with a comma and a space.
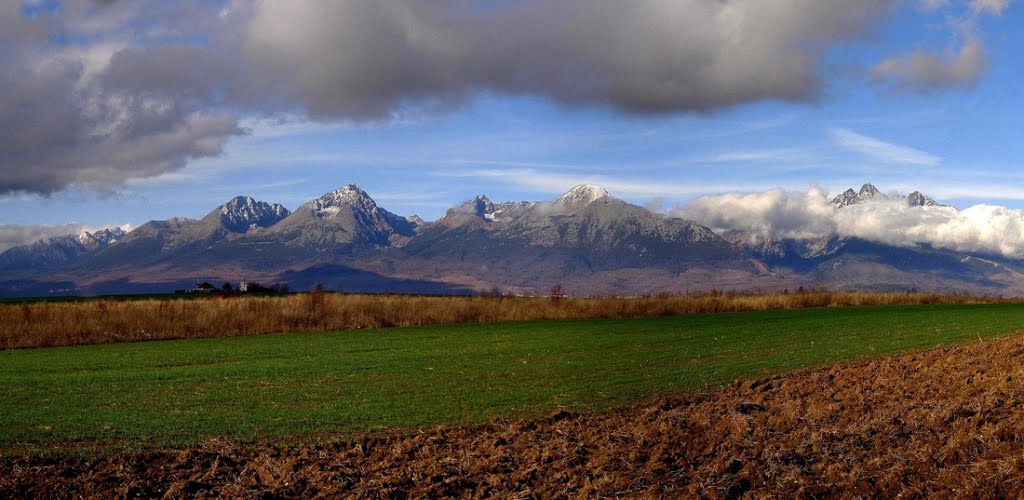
587, 241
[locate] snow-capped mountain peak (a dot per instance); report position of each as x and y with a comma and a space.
108, 236
583, 194
328, 205
101, 238
868, 192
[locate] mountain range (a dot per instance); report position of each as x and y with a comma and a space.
586, 240
869, 193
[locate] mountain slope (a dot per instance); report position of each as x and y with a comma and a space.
584, 236
52, 252
587, 240
243, 214
186, 242
346, 219
586, 222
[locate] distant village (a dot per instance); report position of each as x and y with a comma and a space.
241, 288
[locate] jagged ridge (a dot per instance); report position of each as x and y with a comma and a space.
869, 193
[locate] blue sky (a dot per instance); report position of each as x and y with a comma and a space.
957, 142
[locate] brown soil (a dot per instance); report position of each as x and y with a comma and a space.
946, 423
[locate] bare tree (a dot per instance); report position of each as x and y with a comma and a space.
557, 293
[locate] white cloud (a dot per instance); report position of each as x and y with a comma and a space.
994, 7
774, 213
980, 228
756, 156
882, 151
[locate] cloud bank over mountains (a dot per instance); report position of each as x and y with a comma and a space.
779, 214
100, 92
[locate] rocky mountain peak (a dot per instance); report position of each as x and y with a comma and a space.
846, 198
108, 236
917, 199
243, 213
867, 192
101, 238
351, 195
482, 206
583, 194
345, 217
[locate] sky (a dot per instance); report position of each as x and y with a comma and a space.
116, 112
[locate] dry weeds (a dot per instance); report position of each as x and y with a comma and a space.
946, 423
44, 324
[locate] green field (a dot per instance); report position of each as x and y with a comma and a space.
306, 386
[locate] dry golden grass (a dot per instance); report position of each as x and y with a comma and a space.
45, 324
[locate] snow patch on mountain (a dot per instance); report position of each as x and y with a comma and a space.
101, 238
583, 194
329, 205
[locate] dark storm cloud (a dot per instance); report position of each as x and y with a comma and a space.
356, 57
56, 131
363, 59
144, 86
60, 126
